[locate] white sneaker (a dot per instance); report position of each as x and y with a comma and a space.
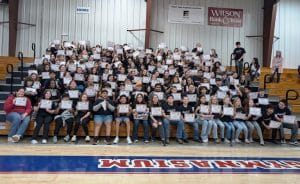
237, 141
10, 140
251, 140
129, 140
136, 141
44, 141
205, 140
73, 138
87, 139
226, 141
67, 138
247, 141
34, 141
116, 140
16, 138
54, 139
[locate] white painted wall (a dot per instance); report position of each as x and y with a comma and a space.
4, 30
287, 28
220, 38
108, 21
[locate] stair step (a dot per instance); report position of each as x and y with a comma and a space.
2, 116
18, 73
1, 104
4, 95
6, 87
16, 80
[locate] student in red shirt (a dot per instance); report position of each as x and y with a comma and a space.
18, 109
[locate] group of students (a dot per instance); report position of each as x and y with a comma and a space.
72, 85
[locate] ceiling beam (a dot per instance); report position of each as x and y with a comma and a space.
13, 6
148, 22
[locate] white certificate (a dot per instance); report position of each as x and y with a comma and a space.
95, 78
177, 86
97, 56
46, 104
136, 79
148, 51
67, 80
255, 111
207, 85
141, 108
253, 95
289, 119
151, 68
45, 75
73, 93
82, 106
212, 81
109, 91
189, 117
228, 111
112, 85
72, 68
169, 61
90, 92
81, 66
206, 75
66, 104
161, 70
206, 57
61, 52
216, 108
122, 77
21, 101
103, 64
156, 111
274, 124
119, 51
204, 109
53, 92
172, 71
79, 77
236, 81
90, 64
123, 108
240, 116
124, 92
192, 97
55, 67
161, 80
96, 87
176, 57
263, 101
175, 116
105, 76
32, 71
30, 90
146, 80
224, 88
207, 97
128, 87
36, 85
221, 94
177, 96
69, 52
160, 95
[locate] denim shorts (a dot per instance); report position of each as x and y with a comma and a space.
122, 119
102, 118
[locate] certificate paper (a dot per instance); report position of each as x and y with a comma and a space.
228, 111
192, 97
123, 108
160, 95
156, 111
73, 93
204, 109
255, 111
289, 119
189, 117
46, 104
274, 124
82, 106
240, 116
21, 101
216, 109
263, 101
175, 115
78, 77
66, 104
177, 96
45, 75
141, 108
122, 77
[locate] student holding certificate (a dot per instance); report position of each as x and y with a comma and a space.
205, 119
282, 110
103, 109
17, 109
73, 92
156, 120
140, 113
228, 121
46, 111
122, 116
251, 122
239, 121
30, 91
216, 111
64, 117
169, 107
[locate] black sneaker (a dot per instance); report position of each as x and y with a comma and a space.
107, 141
95, 141
180, 141
185, 141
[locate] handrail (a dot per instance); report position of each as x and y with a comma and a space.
231, 59
10, 70
33, 47
265, 80
291, 98
246, 67
20, 56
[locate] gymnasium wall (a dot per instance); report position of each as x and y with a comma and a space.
288, 30
4, 30
220, 38
108, 20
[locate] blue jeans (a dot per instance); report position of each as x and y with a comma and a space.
102, 118
195, 129
122, 119
221, 125
179, 131
136, 128
207, 125
230, 130
294, 130
240, 126
18, 126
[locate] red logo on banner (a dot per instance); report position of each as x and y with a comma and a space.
225, 17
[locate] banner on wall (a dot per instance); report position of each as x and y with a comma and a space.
83, 10
182, 14
227, 17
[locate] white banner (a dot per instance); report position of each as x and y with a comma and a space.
83, 10
186, 14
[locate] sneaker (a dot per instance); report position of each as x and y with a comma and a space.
73, 138
237, 140
95, 142
251, 140
116, 140
67, 138
44, 141
185, 141
205, 140
146, 141
16, 138
217, 141
247, 141
136, 141
54, 139
226, 141
87, 139
107, 141
262, 143
129, 140
34, 141
295, 143
168, 141
10, 140
283, 141
180, 141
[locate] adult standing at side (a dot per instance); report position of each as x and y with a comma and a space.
239, 54
277, 66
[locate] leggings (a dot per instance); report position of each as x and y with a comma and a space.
59, 125
84, 124
42, 121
